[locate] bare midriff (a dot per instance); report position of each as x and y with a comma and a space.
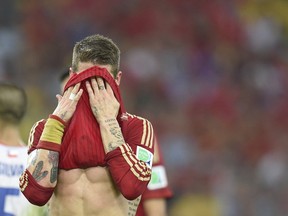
87, 192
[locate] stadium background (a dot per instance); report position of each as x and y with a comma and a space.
211, 76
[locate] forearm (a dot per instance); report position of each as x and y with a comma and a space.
44, 167
130, 174
111, 134
38, 180
125, 167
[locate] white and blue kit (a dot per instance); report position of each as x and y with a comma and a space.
12, 163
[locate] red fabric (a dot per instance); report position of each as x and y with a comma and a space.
58, 119
35, 135
82, 144
130, 185
48, 146
35, 193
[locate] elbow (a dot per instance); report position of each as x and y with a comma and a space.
132, 190
35, 200
131, 195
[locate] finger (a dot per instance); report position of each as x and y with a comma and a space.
76, 88
59, 97
68, 92
74, 92
101, 84
95, 86
109, 89
89, 89
78, 95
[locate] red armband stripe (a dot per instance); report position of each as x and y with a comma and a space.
58, 119
49, 146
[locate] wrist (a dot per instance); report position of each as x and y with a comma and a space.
60, 116
107, 121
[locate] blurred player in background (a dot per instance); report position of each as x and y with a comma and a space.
13, 152
154, 199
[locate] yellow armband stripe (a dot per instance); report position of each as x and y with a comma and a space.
53, 131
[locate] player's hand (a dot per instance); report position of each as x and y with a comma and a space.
68, 102
103, 102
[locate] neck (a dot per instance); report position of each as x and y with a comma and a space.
10, 135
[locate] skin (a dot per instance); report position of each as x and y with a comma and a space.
10, 135
155, 207
84, 192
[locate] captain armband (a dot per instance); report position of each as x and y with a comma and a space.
52, 134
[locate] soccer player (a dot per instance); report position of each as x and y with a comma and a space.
13, 151
90, 157
154, 200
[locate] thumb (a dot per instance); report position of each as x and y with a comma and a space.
59, 97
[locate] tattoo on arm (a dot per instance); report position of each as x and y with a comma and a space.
63, 115
38, 174
33, 162
94, 110
53, 158
132, 206
116, 132
112, 146
115, 129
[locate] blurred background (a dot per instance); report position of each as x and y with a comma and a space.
212, 76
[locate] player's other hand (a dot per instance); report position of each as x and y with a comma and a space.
103, 102
68, 102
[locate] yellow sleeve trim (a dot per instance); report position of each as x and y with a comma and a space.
53, 131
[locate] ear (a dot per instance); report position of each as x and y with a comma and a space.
70, 71
118, 77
